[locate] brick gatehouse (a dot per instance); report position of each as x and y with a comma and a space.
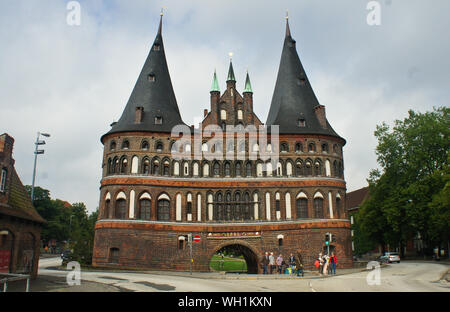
150, 199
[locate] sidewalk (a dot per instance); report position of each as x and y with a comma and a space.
45, 283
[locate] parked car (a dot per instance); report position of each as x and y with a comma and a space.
390, 257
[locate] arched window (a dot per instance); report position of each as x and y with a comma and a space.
126, 144
121, 209
298, 169
259, 170
327, 168
247, 215
335, 148
145, 207
110, 166
318, 207
279, 170
205, 147
227, 169
298, 147
335, 169
112, 146
311, 147
115, 165
156, 167
206, 170
166, 168
145, 145
237, 169
186, 169
248, 169
237, 210
146, 166
240, 114
223, 114
216, 169
341, 169
218, 207
163, 210
317, 168
324, 148
159, 146
123, 165
289, 168
228, 213
269, 169
308, 168
302, 208
284, 147
106, 210
195, 169
338, 206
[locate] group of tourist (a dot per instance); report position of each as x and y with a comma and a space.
292, 265
326, 264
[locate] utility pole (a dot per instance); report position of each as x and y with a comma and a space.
190, 250
36, 153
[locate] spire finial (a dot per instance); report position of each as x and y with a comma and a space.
288, 30
230, 54
230, 76
248, 85
160, 21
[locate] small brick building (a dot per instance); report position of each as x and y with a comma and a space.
20, 224
151, 199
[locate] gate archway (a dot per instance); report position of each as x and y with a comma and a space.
250, 256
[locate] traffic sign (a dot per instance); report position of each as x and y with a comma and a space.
197, 238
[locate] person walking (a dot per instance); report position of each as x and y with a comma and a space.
265, 262
320, 263
271, 262
292, 263
280, 264
326, 264
333, 262
299, 264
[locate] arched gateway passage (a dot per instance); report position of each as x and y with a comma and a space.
235, 257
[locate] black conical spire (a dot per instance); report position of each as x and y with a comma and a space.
294, 103
152, 95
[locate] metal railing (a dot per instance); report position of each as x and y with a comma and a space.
5, 278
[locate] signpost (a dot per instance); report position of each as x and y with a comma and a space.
197, 238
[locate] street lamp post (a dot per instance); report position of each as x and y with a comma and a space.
37, 152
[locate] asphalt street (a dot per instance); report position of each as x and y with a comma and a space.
407, 276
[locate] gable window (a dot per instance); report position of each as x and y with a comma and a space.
223, 114
3, 180
240, 115
156, 47
301, 123
152, 78
158, 120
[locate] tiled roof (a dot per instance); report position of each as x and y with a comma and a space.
355, 198
19, 203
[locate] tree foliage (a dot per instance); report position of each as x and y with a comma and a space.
410, 194
68, 224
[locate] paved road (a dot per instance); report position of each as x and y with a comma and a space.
407, 276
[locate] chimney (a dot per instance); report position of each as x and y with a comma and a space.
321, 116
139, 114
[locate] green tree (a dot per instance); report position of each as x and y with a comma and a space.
408, 196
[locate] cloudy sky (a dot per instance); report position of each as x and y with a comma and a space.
73, 81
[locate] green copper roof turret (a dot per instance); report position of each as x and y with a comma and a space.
215, 83
248, 86
231, 73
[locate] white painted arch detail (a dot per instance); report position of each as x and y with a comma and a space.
318, 195
301, 195
163, 196
146, 195
121, 195
108, 196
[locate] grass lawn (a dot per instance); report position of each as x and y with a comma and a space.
229, 264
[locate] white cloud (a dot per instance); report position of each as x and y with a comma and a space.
74, 81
